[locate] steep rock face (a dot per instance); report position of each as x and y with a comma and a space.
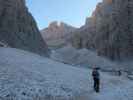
113, 29
83, 37
56, 30
57, 33
18, 28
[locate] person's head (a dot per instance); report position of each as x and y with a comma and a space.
95, 68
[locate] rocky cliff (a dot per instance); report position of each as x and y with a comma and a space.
83, 37
57, 33
113, 29
56, 30
18, 29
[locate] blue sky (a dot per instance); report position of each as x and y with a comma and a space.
73, 12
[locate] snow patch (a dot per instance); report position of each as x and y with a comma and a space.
26, 76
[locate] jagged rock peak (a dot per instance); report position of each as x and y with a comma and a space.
57, 33
56, 24
56, 30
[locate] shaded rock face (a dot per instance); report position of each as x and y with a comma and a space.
113, 29
83, 37
18, 28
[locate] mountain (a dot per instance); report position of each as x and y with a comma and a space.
111, 34
18, 29
27, 76
83, 37
56, 34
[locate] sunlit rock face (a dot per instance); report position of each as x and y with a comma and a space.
56, 30
112, 34
57, 33
18, 28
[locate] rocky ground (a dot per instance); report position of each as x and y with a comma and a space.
26, 76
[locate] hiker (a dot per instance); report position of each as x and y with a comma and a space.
119, 73
96, 78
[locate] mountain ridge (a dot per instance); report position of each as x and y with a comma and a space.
56, 29
57, 33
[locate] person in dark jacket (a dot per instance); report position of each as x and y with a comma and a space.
96, 78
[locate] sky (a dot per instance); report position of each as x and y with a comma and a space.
72, 12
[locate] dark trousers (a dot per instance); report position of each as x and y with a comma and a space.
96, 84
